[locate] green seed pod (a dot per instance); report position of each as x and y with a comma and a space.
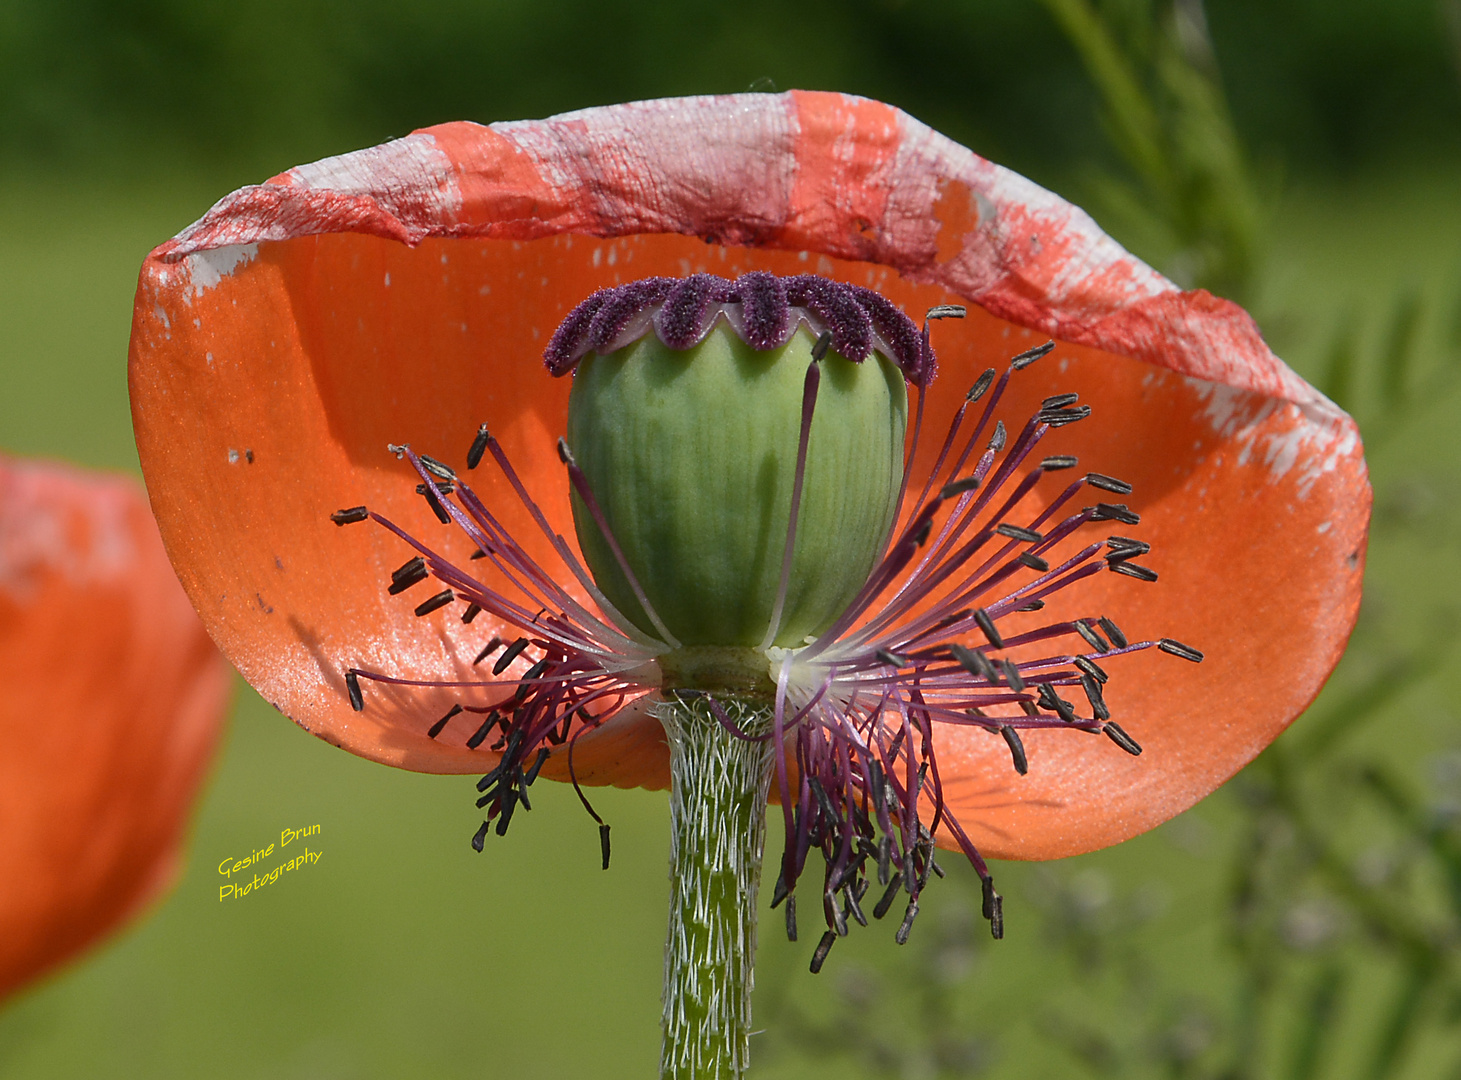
691, 456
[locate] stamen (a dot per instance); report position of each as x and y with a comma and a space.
993, 908
1029, 356
1093, 639
1113, 632
821, 345
352, 686
974, 662
1131, 569
1016, 532
824, 801
986, 624
1123, 547
509, 806
478, 448
856, 709
487, 650
1108, 483
532, 774
490, 779
350, 516
810, 384
512, 652
1012, 674
1176, 648
1116, 512
823, 948
1061, 417
480, 736
888, 897
436, 728
947, 311
901, 937
434, 501
440, 600
1017, 749
1113, 731
580, 485
411, 573
839, 919
1056, 704
981, 385
436, 468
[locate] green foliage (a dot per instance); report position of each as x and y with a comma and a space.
257, 87
1164, 111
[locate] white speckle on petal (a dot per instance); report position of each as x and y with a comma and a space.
210, 267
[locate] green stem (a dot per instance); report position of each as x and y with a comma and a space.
718, 786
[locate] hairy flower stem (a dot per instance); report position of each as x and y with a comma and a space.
718, 786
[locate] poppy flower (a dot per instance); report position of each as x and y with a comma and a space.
400, 297
113, 703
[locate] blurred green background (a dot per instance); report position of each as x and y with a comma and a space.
1300, 155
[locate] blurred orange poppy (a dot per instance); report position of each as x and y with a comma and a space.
112, 704
405, 294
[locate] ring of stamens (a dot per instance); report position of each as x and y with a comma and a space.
856, 710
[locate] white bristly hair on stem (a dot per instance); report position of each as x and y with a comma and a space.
718, 788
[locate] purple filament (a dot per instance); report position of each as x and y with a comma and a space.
857, 711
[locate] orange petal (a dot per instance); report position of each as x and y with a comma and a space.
113, 702
405, 293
